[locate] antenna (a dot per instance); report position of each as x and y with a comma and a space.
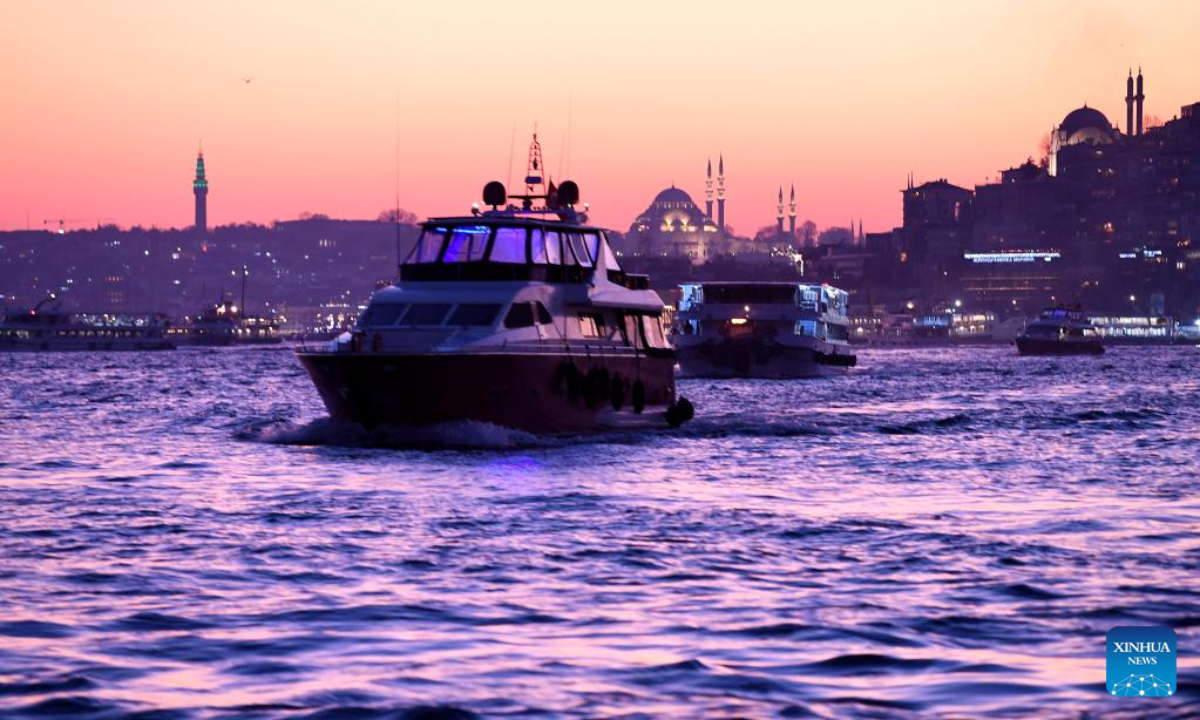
570, 103
396, 212
562, 151
512, 144
535, 167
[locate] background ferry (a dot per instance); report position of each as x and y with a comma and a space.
762, 329
39, 329
225, 323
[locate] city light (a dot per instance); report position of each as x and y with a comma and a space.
1012, 256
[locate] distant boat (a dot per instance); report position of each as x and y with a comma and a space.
226, 324
37, 330
1060, 331
762, 330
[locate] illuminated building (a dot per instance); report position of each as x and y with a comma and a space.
1120, 211
674, 226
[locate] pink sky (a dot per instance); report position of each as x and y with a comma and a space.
105, 102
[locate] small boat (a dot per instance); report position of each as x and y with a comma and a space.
762, 330
51, 330
1060, 331
226, 324
519, 316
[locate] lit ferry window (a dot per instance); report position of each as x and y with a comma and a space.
509, 246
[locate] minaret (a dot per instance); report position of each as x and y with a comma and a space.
779, 214
861, 236
721, 194
792, 212
1129, 104
708, 193
1140, 97
200, 190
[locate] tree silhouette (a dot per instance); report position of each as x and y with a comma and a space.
808, 233
398, 215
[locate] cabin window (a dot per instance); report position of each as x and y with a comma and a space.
591, 325
466, 244
519, 315
591, 243
427, 314
633, 335
610, 260
475, 314
543, 314
537, 247
377, 315
509, 246
655, 337
429, 247
553, 248
568, 253
580, 250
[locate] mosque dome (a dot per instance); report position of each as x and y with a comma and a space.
673, 195
1086, 123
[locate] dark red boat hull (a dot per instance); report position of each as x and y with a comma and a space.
540, 393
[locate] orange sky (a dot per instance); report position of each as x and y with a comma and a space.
104, 102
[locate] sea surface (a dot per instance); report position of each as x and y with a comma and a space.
941, 533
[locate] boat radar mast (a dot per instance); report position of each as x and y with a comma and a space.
560, 200
533, 168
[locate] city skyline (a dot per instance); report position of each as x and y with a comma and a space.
311, 116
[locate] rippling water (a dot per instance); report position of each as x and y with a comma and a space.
943, 532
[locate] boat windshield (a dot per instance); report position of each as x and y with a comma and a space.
429, 247
513, 245
509, 245
466, 244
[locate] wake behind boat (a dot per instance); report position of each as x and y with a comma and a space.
519, 316
762, 330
